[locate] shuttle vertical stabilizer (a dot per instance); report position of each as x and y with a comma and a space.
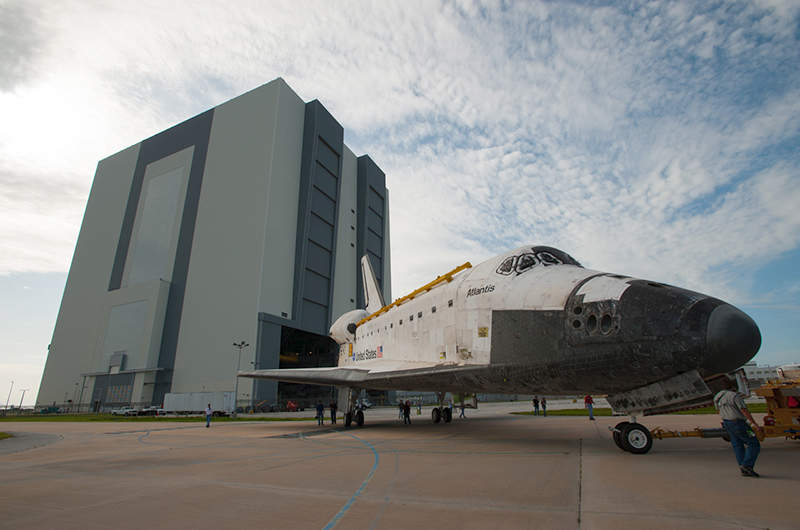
372, 291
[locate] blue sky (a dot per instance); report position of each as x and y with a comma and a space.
654, 139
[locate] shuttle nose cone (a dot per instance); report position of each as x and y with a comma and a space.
733, 339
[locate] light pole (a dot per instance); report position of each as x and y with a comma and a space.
75, 394
253, 392
80, 398
23, 397
241, 346
9, 394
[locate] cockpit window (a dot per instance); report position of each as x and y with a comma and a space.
507, 266
544, 256
549, 259
525, 262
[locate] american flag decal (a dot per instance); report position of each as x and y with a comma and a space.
380, 352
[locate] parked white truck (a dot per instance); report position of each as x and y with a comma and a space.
196, 402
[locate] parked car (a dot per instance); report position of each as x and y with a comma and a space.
124, 411
152, 411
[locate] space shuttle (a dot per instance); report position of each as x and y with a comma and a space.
535, 321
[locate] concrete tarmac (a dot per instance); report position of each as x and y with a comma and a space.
490, 470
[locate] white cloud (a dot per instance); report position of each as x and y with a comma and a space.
645, 138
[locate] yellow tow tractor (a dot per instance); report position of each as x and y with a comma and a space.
782, 419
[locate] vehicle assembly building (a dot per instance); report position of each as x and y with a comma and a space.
228, 242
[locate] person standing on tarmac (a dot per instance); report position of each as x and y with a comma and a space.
535, 405
320, 413
733, 411
334, 408
544, 406
407, 413
209, 413
588, 402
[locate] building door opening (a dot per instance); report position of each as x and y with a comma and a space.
302, 349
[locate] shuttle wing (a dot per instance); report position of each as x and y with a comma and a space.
310, 376
382, 376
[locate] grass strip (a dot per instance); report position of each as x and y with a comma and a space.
755, 408
134, 419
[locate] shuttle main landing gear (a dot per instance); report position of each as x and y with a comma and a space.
352, 414
441, 412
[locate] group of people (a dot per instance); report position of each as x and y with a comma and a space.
404, 411
537, 402
588, 403
321, 412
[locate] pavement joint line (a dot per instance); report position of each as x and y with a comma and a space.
101, 503
349, 504
580, 483
284, 464
436, 442
145, 468
681, 515
446, 452
390, 490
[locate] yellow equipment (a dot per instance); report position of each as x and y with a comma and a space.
782, 419
783, 409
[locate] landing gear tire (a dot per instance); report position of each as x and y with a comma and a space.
618, 432
436, 415
359, 418
448, 415
348, 419
636, 438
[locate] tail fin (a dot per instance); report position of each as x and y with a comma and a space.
372, 292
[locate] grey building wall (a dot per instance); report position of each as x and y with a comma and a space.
239, 224
82, 305
242, 256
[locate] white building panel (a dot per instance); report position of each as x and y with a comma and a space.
124, 334
157, 235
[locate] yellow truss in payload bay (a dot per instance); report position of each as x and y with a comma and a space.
425, 288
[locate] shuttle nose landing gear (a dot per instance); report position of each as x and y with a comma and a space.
632, 437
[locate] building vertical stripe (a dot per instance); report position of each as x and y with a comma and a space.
318, 214
193, 132
371, 220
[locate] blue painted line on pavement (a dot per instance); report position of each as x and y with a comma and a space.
360, 490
